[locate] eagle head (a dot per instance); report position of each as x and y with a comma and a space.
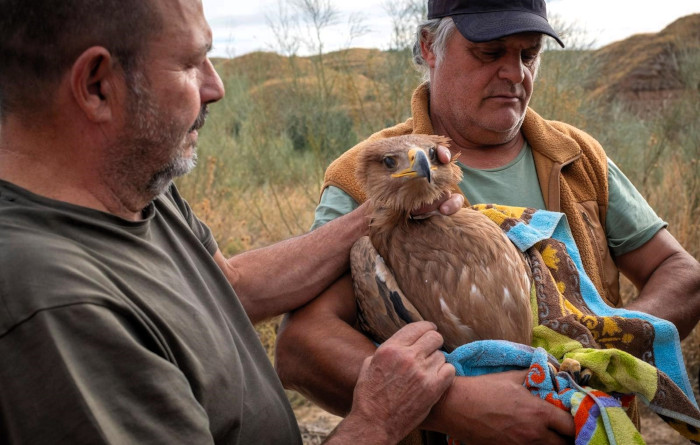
403, 173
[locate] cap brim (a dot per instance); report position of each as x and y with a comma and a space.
486, 26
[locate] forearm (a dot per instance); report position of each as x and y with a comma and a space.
284, 276
482, 410
672, 292
326, 380
463, 406
462, 409
354, 430
668, 280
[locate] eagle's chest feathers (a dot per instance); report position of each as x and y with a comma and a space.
462, 273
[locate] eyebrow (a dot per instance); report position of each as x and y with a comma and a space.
502, 40
537, 46
201, 51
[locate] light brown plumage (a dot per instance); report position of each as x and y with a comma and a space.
460, 272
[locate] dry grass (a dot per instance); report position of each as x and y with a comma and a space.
255, 217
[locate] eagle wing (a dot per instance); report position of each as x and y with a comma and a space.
382, 307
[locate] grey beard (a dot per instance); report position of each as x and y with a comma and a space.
162, 179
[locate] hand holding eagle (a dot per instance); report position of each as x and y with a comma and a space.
460, 271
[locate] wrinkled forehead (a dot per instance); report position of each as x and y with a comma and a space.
183, 24
181, 16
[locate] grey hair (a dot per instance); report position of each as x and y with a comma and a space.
434, 33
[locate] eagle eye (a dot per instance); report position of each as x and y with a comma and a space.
432, 154
389, 162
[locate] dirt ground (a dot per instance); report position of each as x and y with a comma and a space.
656, 432
315, 424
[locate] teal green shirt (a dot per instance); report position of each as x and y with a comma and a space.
514, 184
630, 221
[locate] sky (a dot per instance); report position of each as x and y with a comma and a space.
241, 26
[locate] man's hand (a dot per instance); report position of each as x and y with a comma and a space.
397, 387
448, 203
497, 408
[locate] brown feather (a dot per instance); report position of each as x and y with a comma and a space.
388, 310
461, 271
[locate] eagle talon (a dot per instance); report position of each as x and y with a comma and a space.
553, 376
586, 375
581, 375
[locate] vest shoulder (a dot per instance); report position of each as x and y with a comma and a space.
590, 147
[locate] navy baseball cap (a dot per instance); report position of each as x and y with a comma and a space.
484, 20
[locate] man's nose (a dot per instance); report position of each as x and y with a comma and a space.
212, 88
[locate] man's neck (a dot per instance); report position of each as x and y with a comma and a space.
480, 148
483, 156
490, 156
38, 162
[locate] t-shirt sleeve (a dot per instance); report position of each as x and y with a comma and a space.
200, 229
630, 221
83, 374
334, 203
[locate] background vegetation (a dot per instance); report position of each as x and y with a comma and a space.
284, 118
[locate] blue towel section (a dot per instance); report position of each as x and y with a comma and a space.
543, 225
487, 356
667, 351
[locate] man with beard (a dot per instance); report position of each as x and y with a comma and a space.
118, 317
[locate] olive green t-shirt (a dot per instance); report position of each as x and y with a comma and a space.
630, 221
122, 332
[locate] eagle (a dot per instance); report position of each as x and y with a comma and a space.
461, 271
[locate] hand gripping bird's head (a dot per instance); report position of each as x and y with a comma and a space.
403, 173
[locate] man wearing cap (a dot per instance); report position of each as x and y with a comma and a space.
479, 83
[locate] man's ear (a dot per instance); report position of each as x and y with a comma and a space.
426, 50
93, 80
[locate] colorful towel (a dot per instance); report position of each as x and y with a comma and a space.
600, 418
629, 352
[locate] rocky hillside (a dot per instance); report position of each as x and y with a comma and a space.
646, 70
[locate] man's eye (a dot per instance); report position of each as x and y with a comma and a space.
529, 58
390, 163
432, 154
491, 54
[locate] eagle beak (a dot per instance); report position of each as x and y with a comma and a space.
420, 163
419, 168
